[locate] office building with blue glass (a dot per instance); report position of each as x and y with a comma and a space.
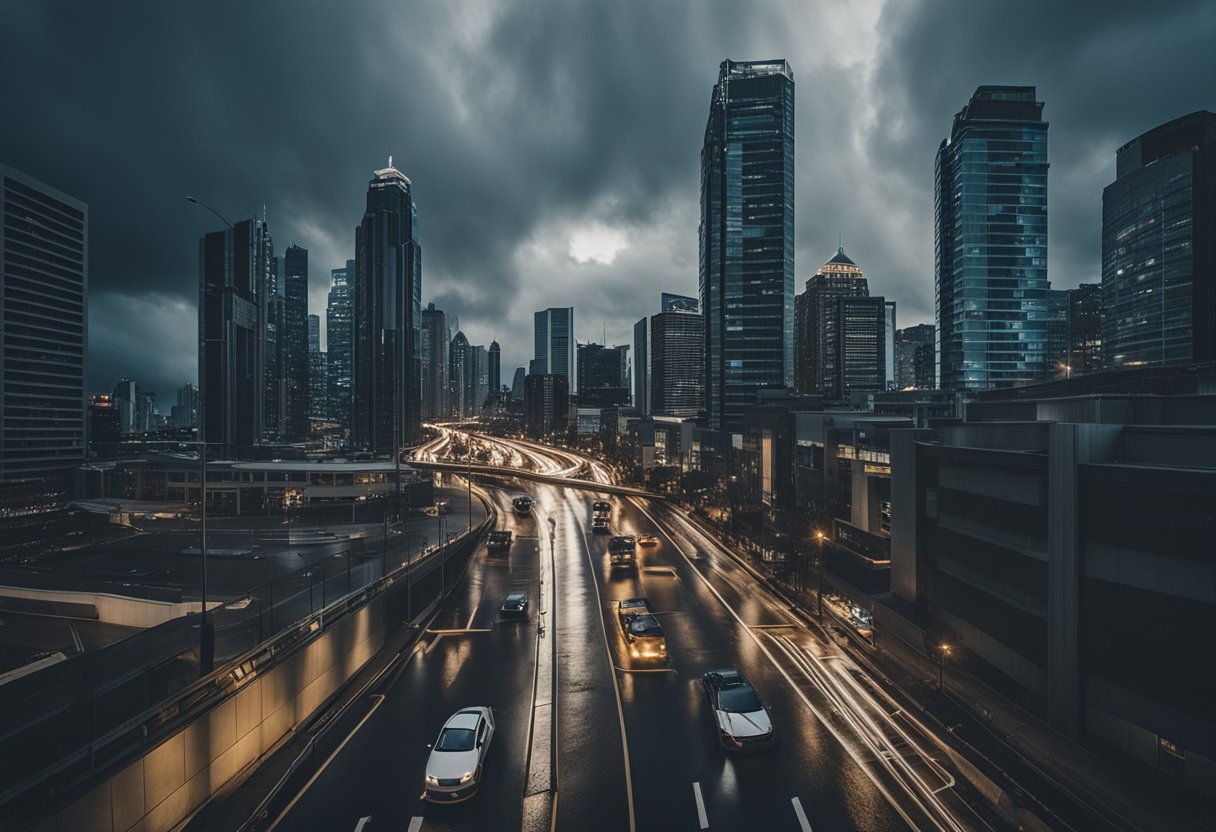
990, 206
746, 256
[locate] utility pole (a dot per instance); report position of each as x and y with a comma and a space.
819, 573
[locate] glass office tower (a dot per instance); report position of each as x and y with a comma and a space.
746, 265
1159, 246
990, 203
388, 317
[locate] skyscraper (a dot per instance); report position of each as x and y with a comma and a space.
641, 365
677, 364
860, 345
915, 363
517, 383
388, 307
495, 357
553, 334
318, 372
889, 346
746, 261
273, 308
479, 378
817, 341
1159, 246
546, 404
990, 211
104, 433
339, 342
1057, 333
1085, 329
185, 412
460, 376
435, 342
235, 269
294, 347
126, 394
603, 374
44, 285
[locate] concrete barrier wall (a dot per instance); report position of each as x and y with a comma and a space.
158, 791
114, 609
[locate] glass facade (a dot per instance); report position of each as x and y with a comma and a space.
1158, 263
746, 265
677, 363
388, 317
339, 342
990, 246
553, 335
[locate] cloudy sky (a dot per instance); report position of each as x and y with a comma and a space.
553, 145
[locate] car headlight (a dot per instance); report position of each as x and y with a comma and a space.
466, 777
432, 781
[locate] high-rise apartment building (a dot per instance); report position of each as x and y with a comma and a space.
1085, 329
294, 346
388, 307
817, 341
915, 361
44, 283
435, 339
495, 357
990, 246
553, 334
746, 257
1159, 246
677, 364
235, 272
339, 342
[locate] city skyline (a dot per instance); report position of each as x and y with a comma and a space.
617, 221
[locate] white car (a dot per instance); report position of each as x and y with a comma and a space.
742, 720
453, 771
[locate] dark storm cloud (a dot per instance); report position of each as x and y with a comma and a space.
554, 146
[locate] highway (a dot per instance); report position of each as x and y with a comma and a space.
635, 748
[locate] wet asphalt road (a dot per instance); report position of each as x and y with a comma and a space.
673, 756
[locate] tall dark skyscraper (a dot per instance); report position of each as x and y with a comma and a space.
817, 342
294, 344
318, 372
126, 392
495, 358
677, 364
641, 365
861, 339
184, 414
990, 247
746, 269
553, 334
104, 433
1057, 333
1085, 329
915, 361
546, 404
436, 398
273, 309
1159, 246
339, 342
235, 271
517, 383
388, 307
44, 287
603, 374
461, 369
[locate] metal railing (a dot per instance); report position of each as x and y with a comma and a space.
64, 725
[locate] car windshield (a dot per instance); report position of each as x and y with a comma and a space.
645, 625
739, 700
455, 739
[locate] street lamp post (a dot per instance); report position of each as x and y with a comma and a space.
943, 651
819, 572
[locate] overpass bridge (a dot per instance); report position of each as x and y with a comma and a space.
524, 474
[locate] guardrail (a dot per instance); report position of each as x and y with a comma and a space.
552, 479
64, 731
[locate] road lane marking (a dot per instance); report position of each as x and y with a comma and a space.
415, 824
802, 821
469, 624
461, 632
645, 669
701, 818
379, 700
362, 823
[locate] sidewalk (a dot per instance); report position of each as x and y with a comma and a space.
1038, 769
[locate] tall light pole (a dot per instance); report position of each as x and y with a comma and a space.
943, 651
819, 571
